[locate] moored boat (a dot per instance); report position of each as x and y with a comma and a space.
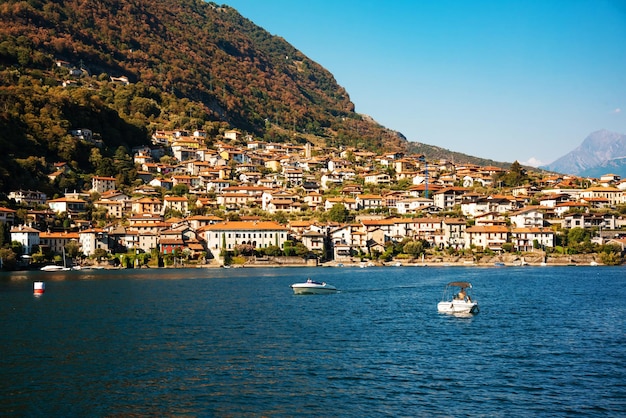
53, 267
457, 299
311, 287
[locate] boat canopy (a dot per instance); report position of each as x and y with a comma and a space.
461, 284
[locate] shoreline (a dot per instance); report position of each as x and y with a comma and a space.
589, 260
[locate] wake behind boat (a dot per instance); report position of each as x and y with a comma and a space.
311, 287
457, 299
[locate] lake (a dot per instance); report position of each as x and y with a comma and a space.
548, 341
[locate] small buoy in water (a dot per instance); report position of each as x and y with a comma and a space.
39, 288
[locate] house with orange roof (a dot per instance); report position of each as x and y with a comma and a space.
484, 237
259, 234
449, 197
235, 200
92, 239
177, 203
113, 208
100, 184
7, 216
426, 229
377, 178
146, 205
614, 195
490, 219
70, 206
200, 221
349, 203
368, 201
314, 200
57, 241
27, 236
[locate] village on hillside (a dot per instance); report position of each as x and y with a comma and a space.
244, 201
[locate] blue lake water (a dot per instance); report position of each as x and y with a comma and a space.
548, 341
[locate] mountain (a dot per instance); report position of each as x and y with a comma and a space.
602, 152
124, 68
434, 152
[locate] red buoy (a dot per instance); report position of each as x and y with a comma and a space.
39, 288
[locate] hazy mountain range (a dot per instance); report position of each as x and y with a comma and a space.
602, 152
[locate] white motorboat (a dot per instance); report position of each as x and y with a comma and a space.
457, 299
53, 267
311, 287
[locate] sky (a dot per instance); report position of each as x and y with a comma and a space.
508, 80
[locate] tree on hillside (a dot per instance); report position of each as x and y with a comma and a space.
515, 176
338, 213
124, 166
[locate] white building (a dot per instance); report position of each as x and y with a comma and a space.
28, 237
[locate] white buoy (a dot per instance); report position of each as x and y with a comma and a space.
39, 288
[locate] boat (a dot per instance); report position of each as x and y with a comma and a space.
311, 287
54, 267
457, 299
499, 264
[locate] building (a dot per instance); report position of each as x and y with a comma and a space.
102, 184
57, 241
68, 205
28, 237
7, 216
29, 197
227, 235
484, 237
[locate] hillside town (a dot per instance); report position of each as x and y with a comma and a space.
243, 201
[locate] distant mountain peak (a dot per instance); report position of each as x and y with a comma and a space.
598, 149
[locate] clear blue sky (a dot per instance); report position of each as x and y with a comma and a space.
509, 80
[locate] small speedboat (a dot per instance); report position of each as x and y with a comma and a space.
311, 287
457, 299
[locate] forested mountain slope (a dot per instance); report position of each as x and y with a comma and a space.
189, 64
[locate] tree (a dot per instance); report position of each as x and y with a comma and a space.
576, 236
72, 249
413, 248
100, 253
338, 213
17, 248
9, 259
124, 166
180, 189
